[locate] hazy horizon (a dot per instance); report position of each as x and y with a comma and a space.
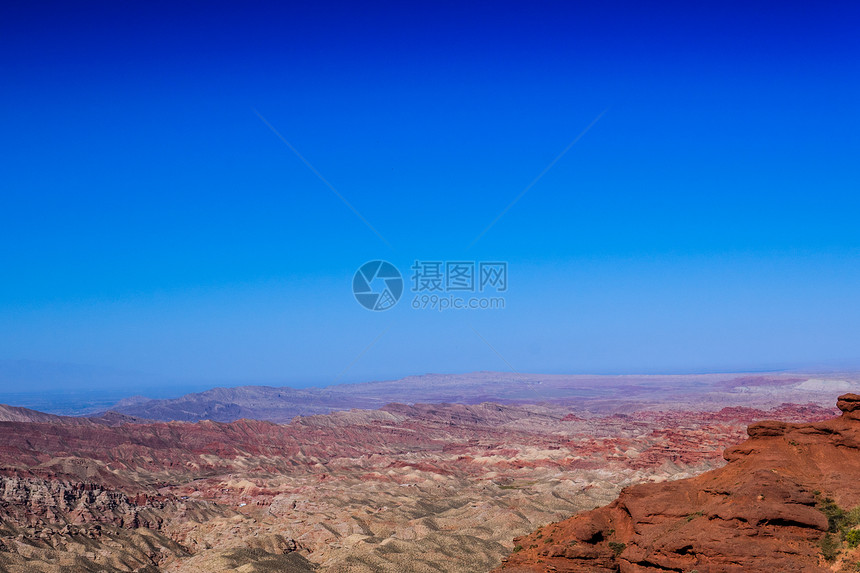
78, 389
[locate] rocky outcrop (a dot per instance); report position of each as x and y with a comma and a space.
35, 501
850, 406
87, 527
761, 512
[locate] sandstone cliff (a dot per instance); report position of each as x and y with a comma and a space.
778, 505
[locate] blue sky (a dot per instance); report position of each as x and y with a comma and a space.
151, 222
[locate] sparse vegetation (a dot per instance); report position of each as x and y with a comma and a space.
830, 547
833, 512
617, 547
518, 548
841, 528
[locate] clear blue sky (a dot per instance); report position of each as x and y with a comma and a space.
151, 222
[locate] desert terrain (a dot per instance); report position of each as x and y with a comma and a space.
402, 487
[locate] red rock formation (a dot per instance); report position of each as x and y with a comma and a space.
758, 513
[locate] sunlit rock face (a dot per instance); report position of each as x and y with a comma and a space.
763, 511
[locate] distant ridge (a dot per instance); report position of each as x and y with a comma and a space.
110, 418
598, 394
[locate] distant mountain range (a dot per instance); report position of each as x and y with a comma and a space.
18, 414
598, 394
